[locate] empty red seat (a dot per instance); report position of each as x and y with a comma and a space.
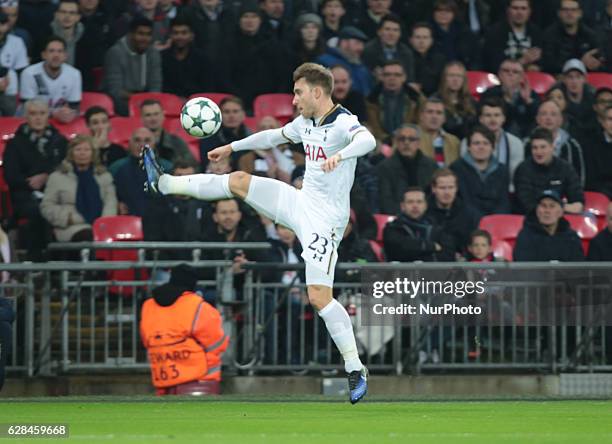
480, 81
275, 105
599, 79
122, 129
90, 99
381, 221
117, 229
540, 82
504, 227
170, 103
215, 97
71, 129
8, 126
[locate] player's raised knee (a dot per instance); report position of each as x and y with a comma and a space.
239, 182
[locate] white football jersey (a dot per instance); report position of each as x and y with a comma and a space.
36, 83
328, 192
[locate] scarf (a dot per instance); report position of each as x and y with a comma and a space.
88, 200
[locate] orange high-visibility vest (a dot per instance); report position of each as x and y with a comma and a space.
175, 355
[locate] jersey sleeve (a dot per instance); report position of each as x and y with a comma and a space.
291, 131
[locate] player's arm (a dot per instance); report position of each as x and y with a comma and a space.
363, 142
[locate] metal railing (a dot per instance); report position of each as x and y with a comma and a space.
72, 317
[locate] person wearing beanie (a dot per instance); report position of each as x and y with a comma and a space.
183, 336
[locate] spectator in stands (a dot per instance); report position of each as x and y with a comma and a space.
543, 171
273, 24
435, 142
13, 59
232, 128
569, 38
212, 21
169, 146
452, 38
67, 25
600, 247
132, 65
251, 56
187, 69
521, 101
7, 317
34, 153
566, 147
308, 43
428, 63
391, 103
446, 209
412, 236
177, 322
459, 105
163, 215
407, 167
332, 12
53, 80
78, 192
95, 41
345, 95
480, 248
11, 9
387, 46
371, 18
98, 123
515, 38
129, 176
483, 180
546, 235
348, 54
579, 94
599, 156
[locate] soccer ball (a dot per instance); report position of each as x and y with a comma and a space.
201, 117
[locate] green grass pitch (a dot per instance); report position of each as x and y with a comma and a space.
293, 421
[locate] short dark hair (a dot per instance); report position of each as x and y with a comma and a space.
542, 134
149, 102
481, 233
391, 17
492, 102
486, 133
139, 21
54, 38
92, 110
419, 25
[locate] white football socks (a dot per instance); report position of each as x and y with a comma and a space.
339, 326
200, 186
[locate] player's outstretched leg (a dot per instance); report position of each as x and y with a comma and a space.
200, 186
340, 329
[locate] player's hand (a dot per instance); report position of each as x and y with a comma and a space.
331, 163
220, 153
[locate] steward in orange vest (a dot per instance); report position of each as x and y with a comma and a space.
183, 336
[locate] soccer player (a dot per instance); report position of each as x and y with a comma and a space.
333, 138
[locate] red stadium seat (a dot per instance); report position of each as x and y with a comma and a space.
502, 249
71, 129
170, 103
540, 82
275, 105
599, 79
215, 97
480, 81
381, 221
8, 126
378, 250
116, 229
585, 226
122, 129
90, 99
502, 226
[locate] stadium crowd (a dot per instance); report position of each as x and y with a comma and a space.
447, 156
